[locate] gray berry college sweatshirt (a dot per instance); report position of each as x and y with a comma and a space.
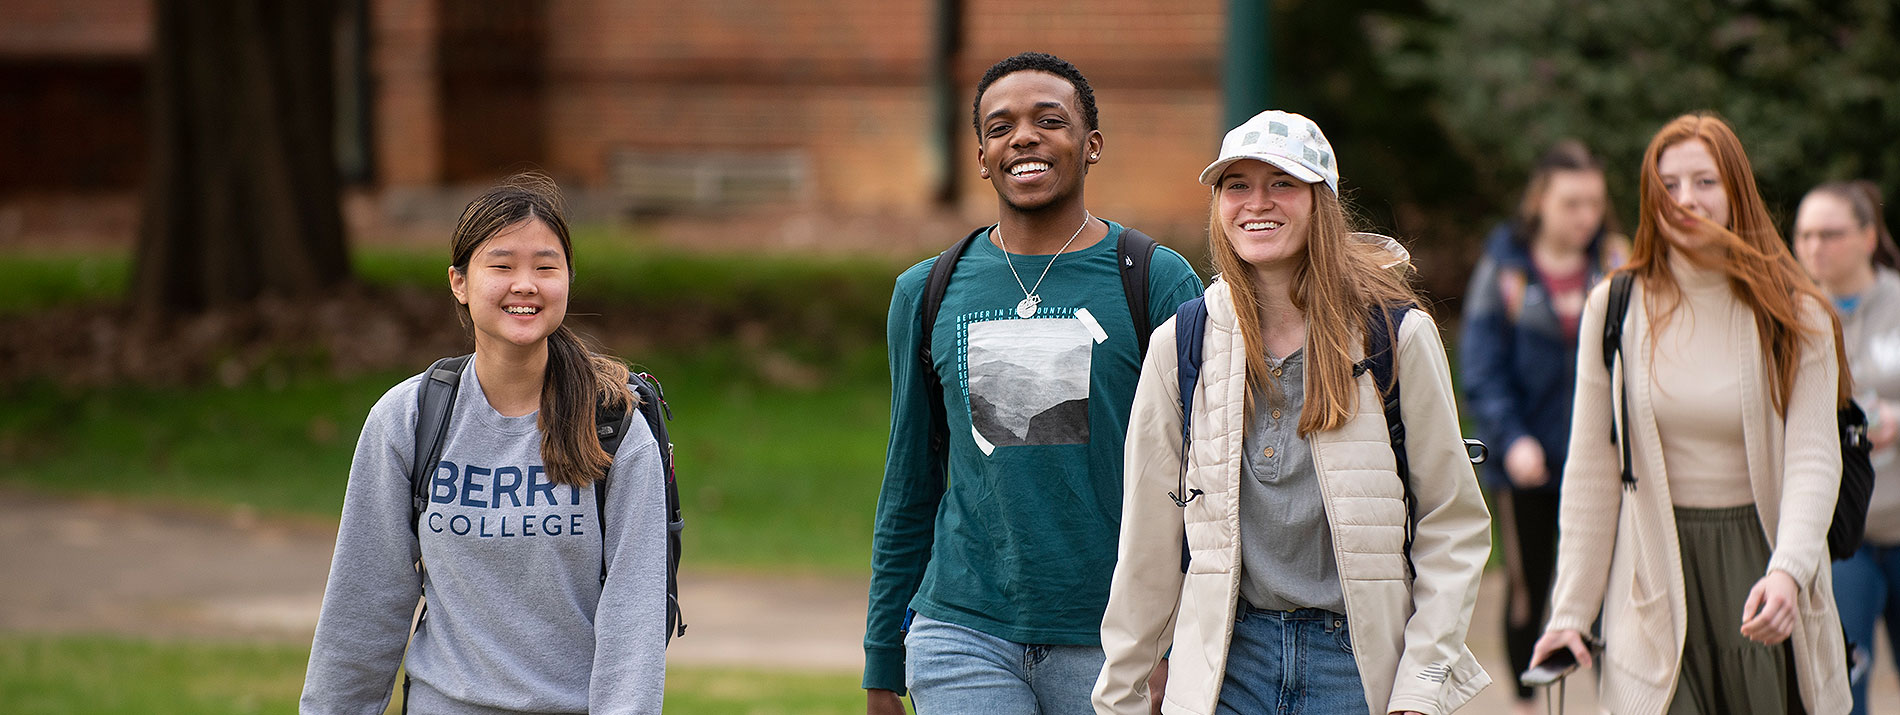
518, 619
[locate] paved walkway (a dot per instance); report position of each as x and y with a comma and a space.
95, 566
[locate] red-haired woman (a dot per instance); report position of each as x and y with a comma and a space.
1707, 557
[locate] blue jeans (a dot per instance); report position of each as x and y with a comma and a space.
953, 670
1867, 589
1290, 662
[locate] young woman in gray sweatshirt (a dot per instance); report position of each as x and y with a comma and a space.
538, 598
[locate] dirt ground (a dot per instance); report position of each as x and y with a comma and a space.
95, 566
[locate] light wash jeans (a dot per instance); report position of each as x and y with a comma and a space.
1290, 662
1867, 589
953, 670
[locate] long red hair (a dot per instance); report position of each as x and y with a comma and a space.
1760, 269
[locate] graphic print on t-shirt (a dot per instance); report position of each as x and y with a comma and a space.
1029, 381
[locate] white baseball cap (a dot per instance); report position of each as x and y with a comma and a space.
1284, 139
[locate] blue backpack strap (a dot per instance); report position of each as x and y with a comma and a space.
435, 399
1190, 327
1381, 360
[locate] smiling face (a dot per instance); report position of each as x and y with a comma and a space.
1265, 213
515, 287
1829, 242
1694, 184
1033, 144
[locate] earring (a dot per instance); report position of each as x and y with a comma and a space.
1095, 156
985, 172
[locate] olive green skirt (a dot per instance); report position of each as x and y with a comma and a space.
1723, 554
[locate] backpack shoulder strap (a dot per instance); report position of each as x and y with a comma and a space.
610, 426
1381, 360
435, 399
1614, 315
1134, 251
654, 408
1190, 327
936, 286
934, 289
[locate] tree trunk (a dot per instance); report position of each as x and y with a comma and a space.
241, 199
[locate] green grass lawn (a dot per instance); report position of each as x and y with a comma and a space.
785, 477
111, 676
774, 472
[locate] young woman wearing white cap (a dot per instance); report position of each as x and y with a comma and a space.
1295, 585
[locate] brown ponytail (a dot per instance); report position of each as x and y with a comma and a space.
576, 377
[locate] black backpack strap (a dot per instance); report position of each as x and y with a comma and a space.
654, 408
435, 399
1133, 252
610, 426
934, 288
1613, 317
1190, 327
1382, 361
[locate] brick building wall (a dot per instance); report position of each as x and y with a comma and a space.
844, 84
838, 88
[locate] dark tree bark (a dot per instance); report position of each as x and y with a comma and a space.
241, 199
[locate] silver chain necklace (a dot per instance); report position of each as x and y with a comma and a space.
1031, 299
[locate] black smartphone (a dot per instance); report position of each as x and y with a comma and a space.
1552, 669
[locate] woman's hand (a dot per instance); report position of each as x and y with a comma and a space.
1553, 641
1768, 614
1524, 463
1157, 687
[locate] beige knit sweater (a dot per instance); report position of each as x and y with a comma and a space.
1618, 550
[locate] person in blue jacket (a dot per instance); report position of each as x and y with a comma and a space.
1518, 353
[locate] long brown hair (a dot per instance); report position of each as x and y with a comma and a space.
576, 377
1335, 286
1863, 201
1760, 269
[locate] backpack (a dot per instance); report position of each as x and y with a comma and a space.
1857, 468
435, 400
1190, 328
1133, 252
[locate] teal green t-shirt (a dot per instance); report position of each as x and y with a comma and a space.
1019, 541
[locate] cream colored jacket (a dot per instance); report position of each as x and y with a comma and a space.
1618, 549
1408, 637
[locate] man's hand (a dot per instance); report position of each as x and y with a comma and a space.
882, 702
1768, 614
1524, 463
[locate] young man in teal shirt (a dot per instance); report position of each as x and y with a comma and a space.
995, 539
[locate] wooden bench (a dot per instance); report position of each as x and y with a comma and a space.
665, 182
